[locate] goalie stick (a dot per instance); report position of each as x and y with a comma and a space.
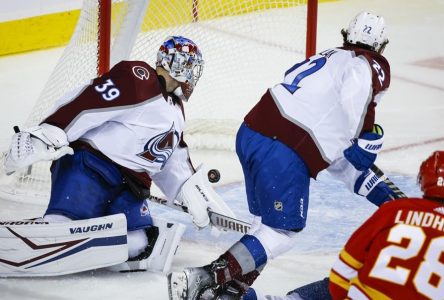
227, 223
392, 186
220, 221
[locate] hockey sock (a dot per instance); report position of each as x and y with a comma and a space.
243, 258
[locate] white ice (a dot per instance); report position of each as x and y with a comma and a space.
411, 114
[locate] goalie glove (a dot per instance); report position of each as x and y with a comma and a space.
43, 142
362, 154
199, 197
373, 187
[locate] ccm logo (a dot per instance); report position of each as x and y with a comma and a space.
440, 181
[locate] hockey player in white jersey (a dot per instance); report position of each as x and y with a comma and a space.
320, 117
123, 131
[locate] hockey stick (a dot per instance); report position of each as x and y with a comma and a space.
216, 219
228, 223
392, 186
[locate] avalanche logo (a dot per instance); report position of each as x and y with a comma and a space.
144, 210
159, 148
141, 73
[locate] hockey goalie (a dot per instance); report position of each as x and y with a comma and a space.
109, 140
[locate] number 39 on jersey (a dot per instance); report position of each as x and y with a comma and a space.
108, 90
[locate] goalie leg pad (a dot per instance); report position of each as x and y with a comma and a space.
39, 248
159, 257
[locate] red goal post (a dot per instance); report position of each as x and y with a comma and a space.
104, 30
247, 46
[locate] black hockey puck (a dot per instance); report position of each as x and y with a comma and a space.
213, 175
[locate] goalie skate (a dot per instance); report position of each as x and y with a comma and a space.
191, 284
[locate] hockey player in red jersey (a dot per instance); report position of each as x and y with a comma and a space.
123, 131
320, 117
398, 253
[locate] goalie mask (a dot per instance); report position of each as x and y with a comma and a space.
431, 175
367, 30
182, 59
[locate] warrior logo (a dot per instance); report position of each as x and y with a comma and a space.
141, 73
159, 148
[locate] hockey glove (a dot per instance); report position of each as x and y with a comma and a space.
44, 142
373, 187
199, 197
362, 154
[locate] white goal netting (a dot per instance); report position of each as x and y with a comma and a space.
247, 46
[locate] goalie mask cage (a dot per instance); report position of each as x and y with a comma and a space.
247, 46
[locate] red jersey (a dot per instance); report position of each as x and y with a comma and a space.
398, 253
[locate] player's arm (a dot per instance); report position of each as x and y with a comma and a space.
39, 143
109, 97
49, 140
363, 151
364, 183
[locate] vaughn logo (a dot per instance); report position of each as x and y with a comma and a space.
159, 148
84, 229
27, 222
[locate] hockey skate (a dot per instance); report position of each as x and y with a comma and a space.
200, 284
192, 284
163, 241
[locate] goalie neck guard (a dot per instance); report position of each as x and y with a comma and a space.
431, 176
183, 60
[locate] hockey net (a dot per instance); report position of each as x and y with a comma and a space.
247, 45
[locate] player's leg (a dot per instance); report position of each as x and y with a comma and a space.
152, 242
317, 290
277, 183
279, 190
37, 247
82, 185
73, 236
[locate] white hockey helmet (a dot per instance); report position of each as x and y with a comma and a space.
183, 60
367, 30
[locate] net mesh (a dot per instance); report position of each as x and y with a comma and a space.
247, 45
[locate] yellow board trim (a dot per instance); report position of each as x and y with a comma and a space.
52, 30
55, 30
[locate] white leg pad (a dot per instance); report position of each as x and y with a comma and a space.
161, 258
40, 248
137, 242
